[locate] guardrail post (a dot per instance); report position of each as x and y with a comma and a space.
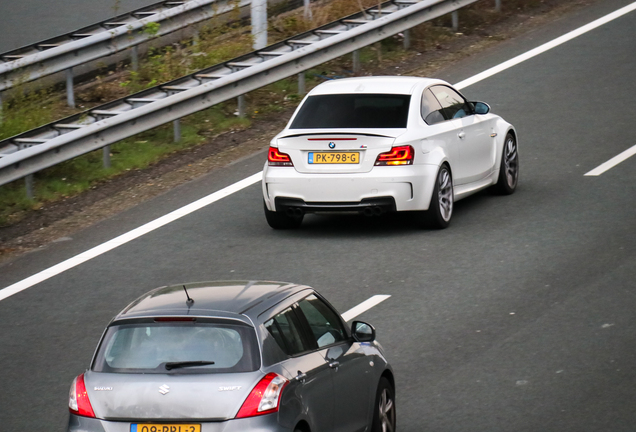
134, 58
497, 5
301, 84
176, 126
259, 23
455, 17
241, 106
106, 157
70, 96
407, 39
307, 12
28, 183
1, 109
356, 61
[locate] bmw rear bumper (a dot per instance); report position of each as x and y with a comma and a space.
401, 188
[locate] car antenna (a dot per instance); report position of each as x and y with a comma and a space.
189, 301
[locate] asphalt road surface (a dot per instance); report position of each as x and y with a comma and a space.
518, 317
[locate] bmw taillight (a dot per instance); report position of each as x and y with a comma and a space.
277, 158
264, 397
402, 155
78, 402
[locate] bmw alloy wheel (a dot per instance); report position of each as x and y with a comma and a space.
445, 194
509, 166
511, 162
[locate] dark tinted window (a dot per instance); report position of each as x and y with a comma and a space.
453, 104
353, 111
431, 109
323, 321
146, 347
286, 331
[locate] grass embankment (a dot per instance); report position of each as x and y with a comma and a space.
216, 43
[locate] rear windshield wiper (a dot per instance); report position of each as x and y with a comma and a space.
184, 364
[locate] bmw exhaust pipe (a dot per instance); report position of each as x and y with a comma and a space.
294, 212
373, 211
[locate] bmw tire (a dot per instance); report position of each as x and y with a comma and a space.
509, 167
440, 210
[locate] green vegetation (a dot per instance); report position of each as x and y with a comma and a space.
217, 42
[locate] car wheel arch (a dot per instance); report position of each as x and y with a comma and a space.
447, 164
501, 138
389, 376
501, 142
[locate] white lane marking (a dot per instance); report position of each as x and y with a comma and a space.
130, 235
612, 162
98, 250
364, 306
546, 46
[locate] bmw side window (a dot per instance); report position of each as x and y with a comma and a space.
431, 109
285, 330
324, 323
453, 104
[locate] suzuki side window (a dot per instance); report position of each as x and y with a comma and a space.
324, 323
286, 331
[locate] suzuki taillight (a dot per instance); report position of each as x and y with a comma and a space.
276, 158
78, 401
265, 396
402, 155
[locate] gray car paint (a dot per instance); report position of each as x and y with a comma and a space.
137, 396
328, 399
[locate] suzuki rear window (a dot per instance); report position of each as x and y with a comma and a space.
178, 347
353, 111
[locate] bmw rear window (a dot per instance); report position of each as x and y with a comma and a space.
353, 111
178, 347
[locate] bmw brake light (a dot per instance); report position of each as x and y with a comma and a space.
264, 397
78, 402
278, 158
402, 155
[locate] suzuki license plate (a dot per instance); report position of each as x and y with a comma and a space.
165, 427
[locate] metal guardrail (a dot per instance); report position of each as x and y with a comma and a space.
105, 38
73, 136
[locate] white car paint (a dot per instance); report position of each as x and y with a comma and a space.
471, 146
129, 236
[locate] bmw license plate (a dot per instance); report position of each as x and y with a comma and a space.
334, 158
156, 427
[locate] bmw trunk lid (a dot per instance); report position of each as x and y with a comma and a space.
336, 151
133, 397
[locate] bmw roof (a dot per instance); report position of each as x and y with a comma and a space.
218, 298
378, 85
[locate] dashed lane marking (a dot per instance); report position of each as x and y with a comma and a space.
612, 162
183, 211
364, 306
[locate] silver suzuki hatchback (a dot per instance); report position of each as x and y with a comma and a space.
234, 356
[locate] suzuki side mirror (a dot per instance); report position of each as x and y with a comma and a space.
362, 332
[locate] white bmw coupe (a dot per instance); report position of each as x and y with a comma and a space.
379, 144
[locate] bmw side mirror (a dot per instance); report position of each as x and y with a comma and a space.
481, 107
362, 332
